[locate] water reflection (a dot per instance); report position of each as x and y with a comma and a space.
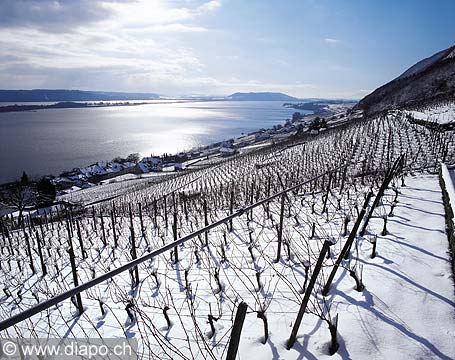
49, 141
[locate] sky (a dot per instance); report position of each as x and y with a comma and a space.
305, 48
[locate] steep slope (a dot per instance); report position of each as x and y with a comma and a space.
429, 80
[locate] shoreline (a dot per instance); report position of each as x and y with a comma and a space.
227, 147
88, 105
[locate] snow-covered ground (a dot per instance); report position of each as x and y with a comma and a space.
441, 114
407, 308
116, 186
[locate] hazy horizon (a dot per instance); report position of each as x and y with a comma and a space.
177, 97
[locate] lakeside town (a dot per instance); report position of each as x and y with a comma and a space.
31, 193
133, 166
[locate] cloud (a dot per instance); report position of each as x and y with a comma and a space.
88, 60
209, 6
281, 62
179, 28
130, 45
332, 41
70, 15
110, 44
52, 15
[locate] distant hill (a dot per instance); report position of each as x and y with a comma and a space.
40, 95
261, 96
431, 79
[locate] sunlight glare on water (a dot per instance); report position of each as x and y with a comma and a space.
61, 139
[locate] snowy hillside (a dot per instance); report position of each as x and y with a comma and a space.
426, 63
361, 202
430, 80
440, 114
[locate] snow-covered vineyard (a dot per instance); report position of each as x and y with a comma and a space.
336, 245
441, 114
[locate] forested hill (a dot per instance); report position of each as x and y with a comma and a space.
261, 96
41, 95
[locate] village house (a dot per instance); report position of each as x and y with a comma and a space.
152, 163
225, 151
262, 136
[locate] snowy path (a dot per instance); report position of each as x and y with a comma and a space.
407, 310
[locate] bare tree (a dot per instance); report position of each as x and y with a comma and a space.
19, 195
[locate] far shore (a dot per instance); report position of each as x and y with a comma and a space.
258, 138
88, 105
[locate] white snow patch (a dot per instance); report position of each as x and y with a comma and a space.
449, 176
441, 114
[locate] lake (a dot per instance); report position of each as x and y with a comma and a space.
51, 141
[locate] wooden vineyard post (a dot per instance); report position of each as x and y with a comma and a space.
251, 201
142, 221
134, 256
81, 242
231, 209
388, 178
80, 308
130, 212
333, 336
280, 230
10, 243
67, 221
185, 209
347, 246
165, 212
29, 251
313, 230
352, 235
40, 252
31, 227
206, 223
155, 214
45, 220
174, 230
103, 231
375, 203
324, 206
1, 228
93, 217
343, 178
236, 331
308, 292
114, 233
